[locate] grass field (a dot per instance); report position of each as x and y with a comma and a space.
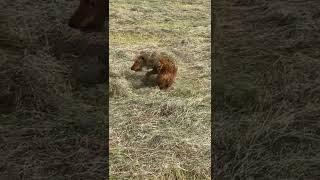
267, 89
156, 134
52, 113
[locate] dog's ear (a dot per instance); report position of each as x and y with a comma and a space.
142, 52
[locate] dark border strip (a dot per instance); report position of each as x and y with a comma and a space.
107, 94
213, 102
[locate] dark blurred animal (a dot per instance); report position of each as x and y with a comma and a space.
89, 16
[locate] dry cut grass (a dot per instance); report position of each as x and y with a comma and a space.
267, 90
49, 129
156, 134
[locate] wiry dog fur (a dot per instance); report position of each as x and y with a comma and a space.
160, 63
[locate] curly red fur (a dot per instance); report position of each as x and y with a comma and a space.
163, 66
167, 73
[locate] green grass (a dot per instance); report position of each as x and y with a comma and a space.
131, 38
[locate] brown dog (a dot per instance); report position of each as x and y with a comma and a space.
90, 15
160, 63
